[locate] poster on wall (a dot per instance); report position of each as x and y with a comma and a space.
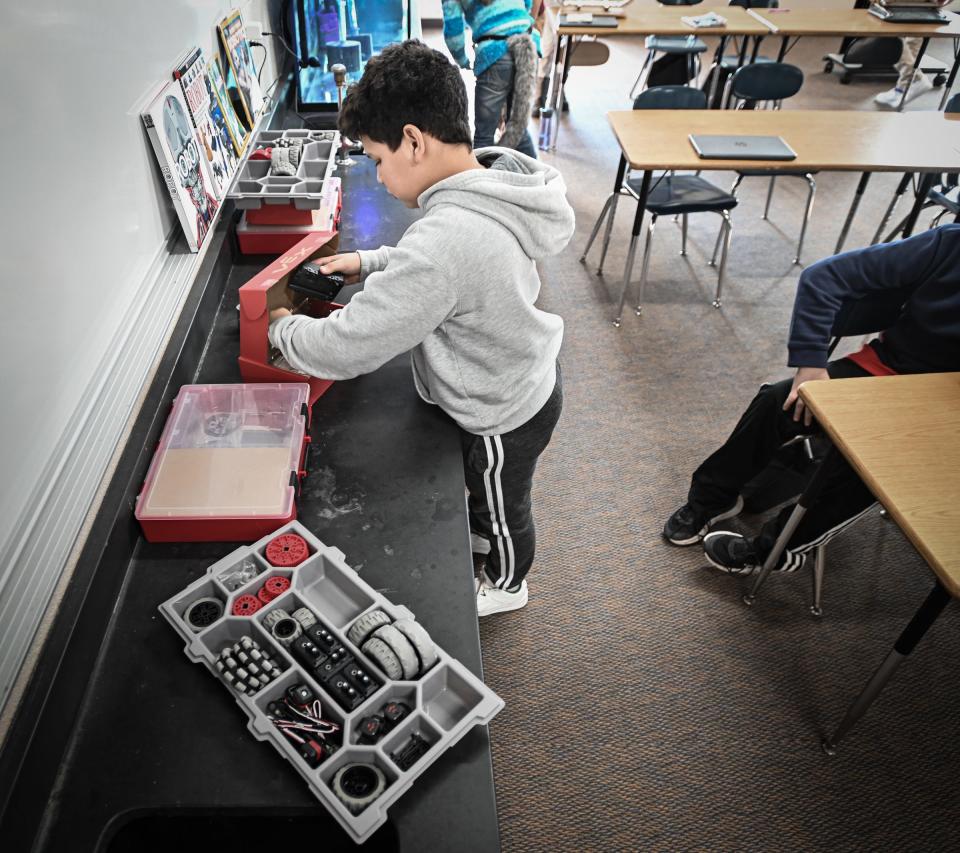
241, 71
184, 168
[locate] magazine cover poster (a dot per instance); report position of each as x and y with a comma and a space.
238, 133
192, 74
221, 133
242, 71
181, 163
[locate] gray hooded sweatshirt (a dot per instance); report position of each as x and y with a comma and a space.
459, 291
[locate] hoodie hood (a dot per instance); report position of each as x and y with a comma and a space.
524, 195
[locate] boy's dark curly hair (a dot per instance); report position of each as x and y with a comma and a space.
407, 83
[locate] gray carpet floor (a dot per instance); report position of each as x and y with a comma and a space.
646, 707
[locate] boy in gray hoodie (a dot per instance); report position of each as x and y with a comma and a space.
458, 290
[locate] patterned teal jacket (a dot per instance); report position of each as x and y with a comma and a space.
498, 17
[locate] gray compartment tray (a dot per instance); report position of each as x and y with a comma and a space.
254, 186
445, 701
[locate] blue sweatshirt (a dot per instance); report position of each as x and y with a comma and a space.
498, 17
926, 336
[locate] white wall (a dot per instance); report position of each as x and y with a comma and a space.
84, 226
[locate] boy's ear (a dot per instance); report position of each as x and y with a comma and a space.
413, 137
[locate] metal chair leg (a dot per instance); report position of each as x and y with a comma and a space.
644, 267
608, 232
901, 189
716, 248
683, 236
819, 565
596, 226
628, 270
766, 207
812, 184
648, 61
728, 229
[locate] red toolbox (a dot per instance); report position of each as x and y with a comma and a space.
229, 463
259, 361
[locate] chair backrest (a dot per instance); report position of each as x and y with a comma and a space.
755, 4
953, 105
671, 98
767, 81
872, 312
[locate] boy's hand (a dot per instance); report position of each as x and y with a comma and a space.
277, 313
804, 374
347, 263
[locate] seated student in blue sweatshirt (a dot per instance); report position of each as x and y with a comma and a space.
924, 339
506, 47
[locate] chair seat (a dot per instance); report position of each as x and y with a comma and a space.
675, 44
729, 63
684, 194
771, 173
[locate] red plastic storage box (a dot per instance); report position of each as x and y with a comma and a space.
229, 463
259, 361
273, 229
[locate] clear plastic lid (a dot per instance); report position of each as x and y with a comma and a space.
228, 450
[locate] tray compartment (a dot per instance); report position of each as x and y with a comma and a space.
397, 691
448, 698
191, 605
358, 755
339, 598
414, 725
241, 573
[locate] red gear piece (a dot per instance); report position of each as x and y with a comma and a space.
246, 605
287, 550
264, 595
277, 585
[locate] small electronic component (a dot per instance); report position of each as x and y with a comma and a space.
202, 613
411, 752
361, 679
307, 652
375, 726
358, 785
308, 280
299, 715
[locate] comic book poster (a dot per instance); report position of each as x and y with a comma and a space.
241, 71
192, 74
184, 169
236, 130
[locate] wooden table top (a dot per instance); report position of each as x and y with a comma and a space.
848, 22
902, 436
827, 140
646, 19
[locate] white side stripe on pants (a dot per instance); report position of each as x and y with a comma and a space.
498, 521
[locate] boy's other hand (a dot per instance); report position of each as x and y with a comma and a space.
804, 374
348, 263
277, 313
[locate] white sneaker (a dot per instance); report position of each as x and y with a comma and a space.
890, 98
920, 86
491, 600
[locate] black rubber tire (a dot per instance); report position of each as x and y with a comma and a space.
348, 788
828, 67
366, 625
846, 78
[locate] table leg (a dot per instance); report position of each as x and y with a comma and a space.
634, 236
857, 197
756, 49
784, 43
807, 499
901, 189
609, 210
907, 641
924, 184
951, 78
916, 65
550, 113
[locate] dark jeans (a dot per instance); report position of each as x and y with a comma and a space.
493, 93
499, 474
762, 429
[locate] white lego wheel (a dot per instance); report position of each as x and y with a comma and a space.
420, 640
383, 656
402, 648
366, 625
358, 785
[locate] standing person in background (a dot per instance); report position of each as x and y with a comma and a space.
506, 50
920, 85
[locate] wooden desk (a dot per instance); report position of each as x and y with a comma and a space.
901, 434
824, 140
857, 23
642, 19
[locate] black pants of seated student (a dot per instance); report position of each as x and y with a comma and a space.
762, 429
499, 474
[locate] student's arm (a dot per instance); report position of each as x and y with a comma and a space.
397, 309
825, 285
453, 32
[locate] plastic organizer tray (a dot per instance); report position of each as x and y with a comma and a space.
312, 623
254, 186
229, 463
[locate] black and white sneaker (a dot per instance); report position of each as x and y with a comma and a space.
688, 526
732, 553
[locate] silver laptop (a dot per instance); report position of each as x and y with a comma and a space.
711, 147
910, 11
